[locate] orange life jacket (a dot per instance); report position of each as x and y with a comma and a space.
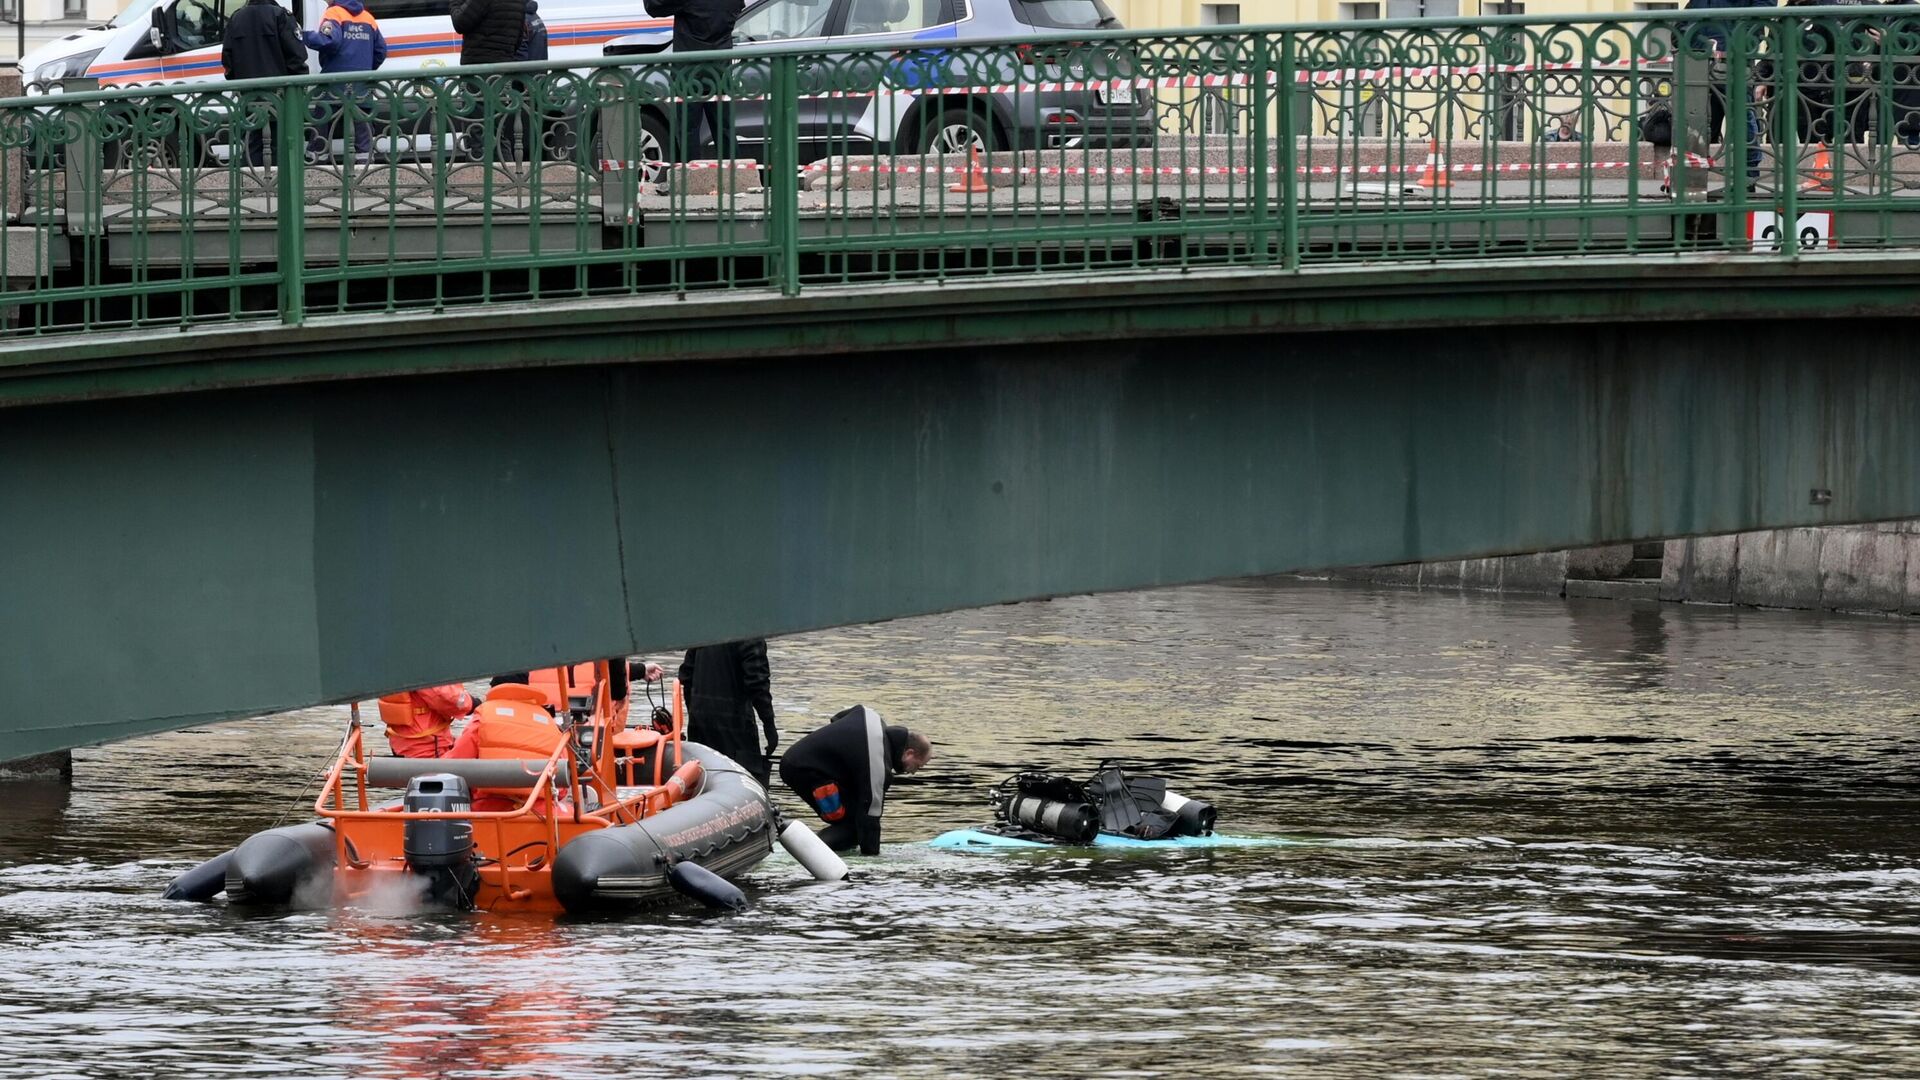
513, 691
580, 677
514, 729
406, 718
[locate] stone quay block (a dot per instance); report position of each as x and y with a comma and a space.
1599, 563
13, 161
1481, 574
26, 251
1544, 573
1672, 569
1780, 568
735, 177
1910, 593
1863, 569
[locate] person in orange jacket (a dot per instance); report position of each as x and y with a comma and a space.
509, 726
419, 722
348, 39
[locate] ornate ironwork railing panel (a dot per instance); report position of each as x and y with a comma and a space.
780, 169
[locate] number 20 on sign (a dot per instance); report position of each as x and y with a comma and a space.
1814, 231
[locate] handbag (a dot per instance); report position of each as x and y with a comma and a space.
1656, 126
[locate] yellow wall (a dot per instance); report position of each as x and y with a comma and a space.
1166, 14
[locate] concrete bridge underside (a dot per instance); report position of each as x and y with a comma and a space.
174, 557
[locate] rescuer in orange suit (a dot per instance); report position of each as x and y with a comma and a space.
419, 722
517, 723
512, 725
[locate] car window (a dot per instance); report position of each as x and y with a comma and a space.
409, 9
1065, 14
777, 20
894, 16
199, 23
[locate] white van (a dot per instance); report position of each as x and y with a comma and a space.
178, 41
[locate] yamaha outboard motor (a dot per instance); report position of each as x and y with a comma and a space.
1053, 806
441, 851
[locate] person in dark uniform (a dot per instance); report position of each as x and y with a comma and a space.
726, 686
262, 42
842, 772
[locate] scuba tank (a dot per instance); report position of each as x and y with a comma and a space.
1191, 817
1054, 806
812, 852
441, 851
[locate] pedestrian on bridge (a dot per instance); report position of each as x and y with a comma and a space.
533, 35
726, 687
843, 770
1712, 38
700, 26
348, 39
491, 32
262, 42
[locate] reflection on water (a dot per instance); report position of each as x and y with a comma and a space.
1533, 837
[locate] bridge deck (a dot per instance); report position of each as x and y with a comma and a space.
1278, 148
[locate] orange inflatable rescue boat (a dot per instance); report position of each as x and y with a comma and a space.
610, 817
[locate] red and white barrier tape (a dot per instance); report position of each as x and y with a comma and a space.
1183, 82
1215, 170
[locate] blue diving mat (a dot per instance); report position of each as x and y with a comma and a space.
977, 840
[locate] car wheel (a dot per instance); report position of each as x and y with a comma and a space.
958, 129
649, 148
652, 149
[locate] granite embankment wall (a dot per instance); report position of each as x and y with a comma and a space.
1874, 568
1841, 568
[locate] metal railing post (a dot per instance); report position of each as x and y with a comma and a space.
1264, 96
1739, 106
783, 172
1296, 112
85, 163
1787, 130
621, 171
289, 167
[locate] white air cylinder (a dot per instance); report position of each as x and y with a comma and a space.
1191, 817
811, 852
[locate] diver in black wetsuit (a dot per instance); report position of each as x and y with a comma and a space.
842, 772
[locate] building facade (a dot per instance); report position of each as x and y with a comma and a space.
1155, 14
47, 20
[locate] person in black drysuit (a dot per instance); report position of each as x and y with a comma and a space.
842, 772
726, 685
262, 42
700, 26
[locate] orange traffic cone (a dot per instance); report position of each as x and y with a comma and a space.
974, 182
1435, 173
1822, 171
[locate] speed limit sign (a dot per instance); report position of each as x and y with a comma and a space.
1812, 231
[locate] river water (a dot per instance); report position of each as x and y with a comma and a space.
1534, 838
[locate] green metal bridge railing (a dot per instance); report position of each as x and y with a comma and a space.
1278, 148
